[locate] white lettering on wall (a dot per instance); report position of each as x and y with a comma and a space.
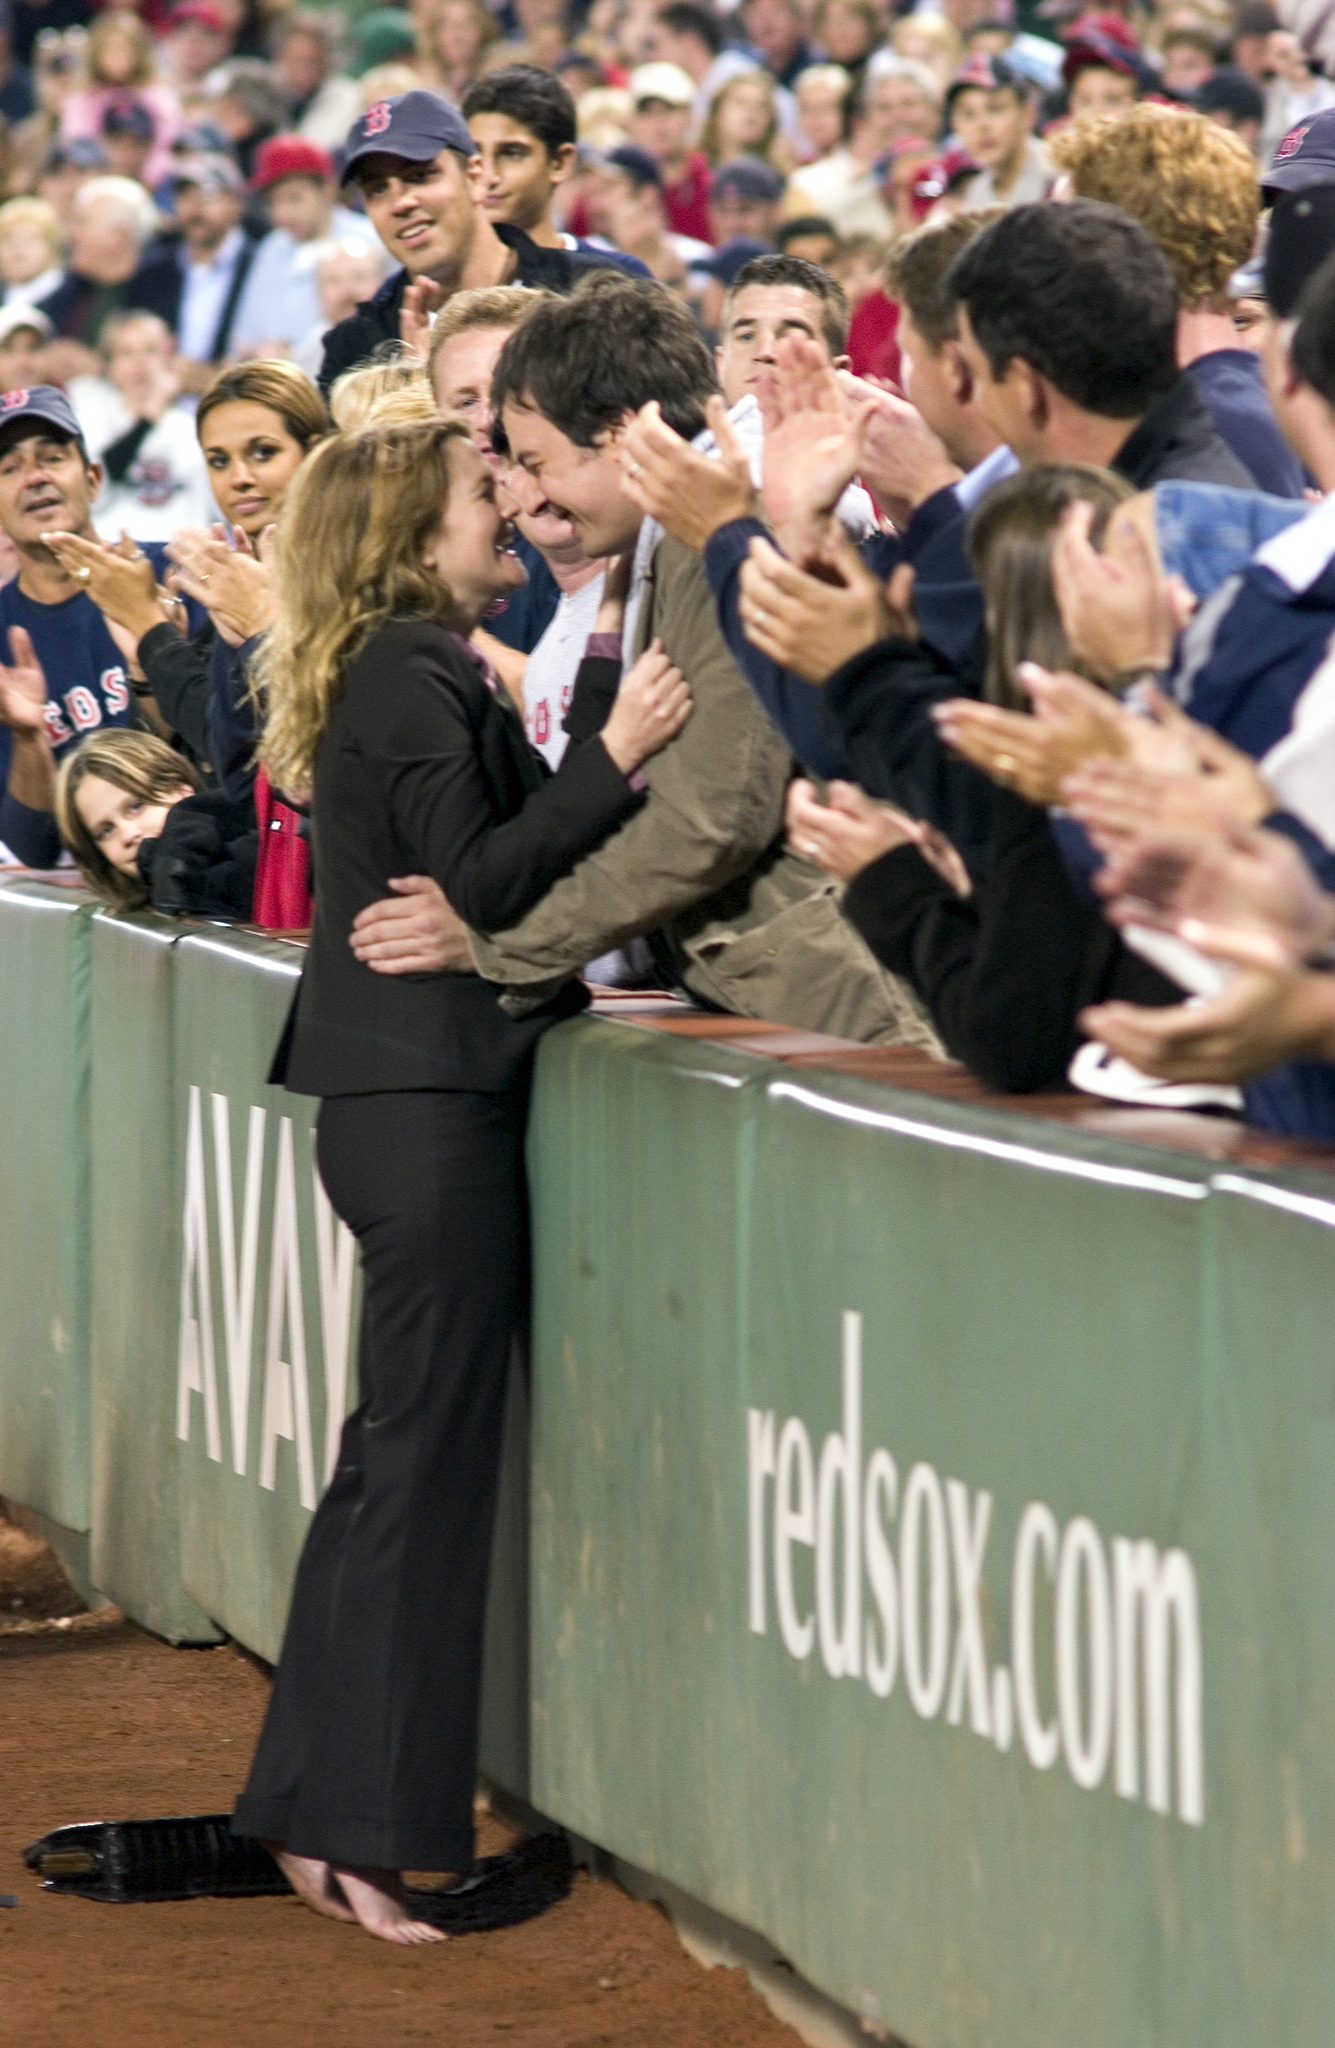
1105, 1642
238, 1292
286, 1405
287, 1394
195, 1373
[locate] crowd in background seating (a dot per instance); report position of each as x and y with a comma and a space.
948, 394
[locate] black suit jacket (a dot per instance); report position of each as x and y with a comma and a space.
423, 770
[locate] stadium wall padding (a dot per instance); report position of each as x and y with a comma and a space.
932, 1548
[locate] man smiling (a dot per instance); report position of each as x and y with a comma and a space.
68, 676
418, 170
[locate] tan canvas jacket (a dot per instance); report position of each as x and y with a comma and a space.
756, 929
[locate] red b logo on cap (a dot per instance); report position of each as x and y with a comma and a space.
377, 118
1292, 142
10, 401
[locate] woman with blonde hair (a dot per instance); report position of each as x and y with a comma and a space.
390, 549
743, 120
400, 382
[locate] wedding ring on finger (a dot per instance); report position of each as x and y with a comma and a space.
83, 574
634, 469
1005, 769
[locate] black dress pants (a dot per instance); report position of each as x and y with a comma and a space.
368, 1754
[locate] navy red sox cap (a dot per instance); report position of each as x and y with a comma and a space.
1305, 156
413, 125
45, 402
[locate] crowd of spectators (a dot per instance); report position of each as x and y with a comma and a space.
947, 395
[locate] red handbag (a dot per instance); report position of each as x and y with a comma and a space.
283, 900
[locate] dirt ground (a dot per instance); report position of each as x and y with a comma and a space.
100, 1720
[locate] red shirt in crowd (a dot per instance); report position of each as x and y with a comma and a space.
687, 204
871, 337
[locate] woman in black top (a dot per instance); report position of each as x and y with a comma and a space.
390, 549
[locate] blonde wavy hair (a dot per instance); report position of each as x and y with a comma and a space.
374, 393
348, 558
1190, 183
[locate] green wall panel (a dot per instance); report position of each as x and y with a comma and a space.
1101, 1816
136, 1276
44, 1200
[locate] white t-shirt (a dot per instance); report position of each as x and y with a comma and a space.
549, 679
166, 485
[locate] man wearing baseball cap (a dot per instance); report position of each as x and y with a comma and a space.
196, 285
414, 161
281, 301
66, 677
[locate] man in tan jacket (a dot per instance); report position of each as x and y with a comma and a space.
747, 924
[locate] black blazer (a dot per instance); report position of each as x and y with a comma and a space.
423, 770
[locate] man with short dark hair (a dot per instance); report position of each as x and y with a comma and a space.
738, 918
413, 159
772, 297
1068, 323
522, 122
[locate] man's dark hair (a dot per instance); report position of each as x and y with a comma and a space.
1312, 349
917, 269
804, 224
1083, 295
531, 98
688, 18
804, 277
609, 348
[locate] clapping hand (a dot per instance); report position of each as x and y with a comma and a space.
1248, 880
1034, 753
232, 583
848, 832
22, 688
422, 298
690, 494
1272, 1011
813, 619
120, 581
1118, 610
902, 461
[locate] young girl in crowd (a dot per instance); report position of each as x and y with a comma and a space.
131, 811
390, 549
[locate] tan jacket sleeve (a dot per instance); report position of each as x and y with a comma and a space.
715, 801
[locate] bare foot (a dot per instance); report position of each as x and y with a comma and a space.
376, 1898
313, 1882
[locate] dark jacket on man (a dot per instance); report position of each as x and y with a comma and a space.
376, 320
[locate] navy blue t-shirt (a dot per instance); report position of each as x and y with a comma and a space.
87, 687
